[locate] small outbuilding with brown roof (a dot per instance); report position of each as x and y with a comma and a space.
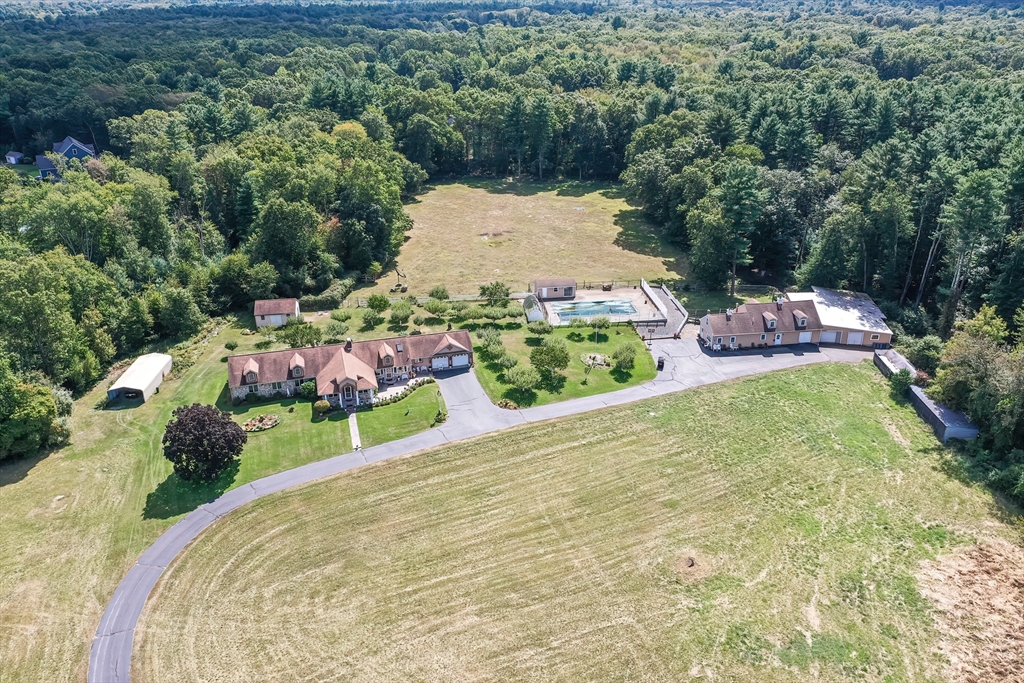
275, 312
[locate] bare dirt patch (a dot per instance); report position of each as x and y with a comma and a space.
979, 599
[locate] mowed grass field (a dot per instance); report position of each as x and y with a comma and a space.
467, 234
806, 500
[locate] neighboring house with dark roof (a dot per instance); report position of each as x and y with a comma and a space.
348, 374
13, 157
555, 288
275, 312
778, 323
848, 318
46, 167
74, 149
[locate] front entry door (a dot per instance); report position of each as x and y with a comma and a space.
778, 339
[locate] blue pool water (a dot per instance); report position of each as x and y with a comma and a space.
575, 309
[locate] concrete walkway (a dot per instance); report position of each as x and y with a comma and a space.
470, 413
353, 431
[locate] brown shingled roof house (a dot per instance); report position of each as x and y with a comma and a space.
760, 325
348, 374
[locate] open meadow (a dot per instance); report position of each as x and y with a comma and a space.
469, 233
75, 520
771, 529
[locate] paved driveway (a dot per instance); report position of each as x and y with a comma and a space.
470, 413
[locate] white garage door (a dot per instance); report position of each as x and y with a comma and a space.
855, 338
277, 320
805, 337
439, 363
829, 336
460, 361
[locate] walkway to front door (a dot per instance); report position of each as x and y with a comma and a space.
353, 431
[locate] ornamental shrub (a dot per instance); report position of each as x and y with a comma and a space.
231, 345
308, 390
540, 327
322, 407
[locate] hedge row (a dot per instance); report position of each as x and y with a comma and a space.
330, 298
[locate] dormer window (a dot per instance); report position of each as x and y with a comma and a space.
387, 360
297, 372
250, 377
771, 324
803, 322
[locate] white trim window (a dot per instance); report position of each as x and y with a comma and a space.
297, 372
718, 340
253, 389
251, 377
875, 337
764, 337
348, 392
732, 340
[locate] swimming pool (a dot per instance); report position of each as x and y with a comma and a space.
586, 309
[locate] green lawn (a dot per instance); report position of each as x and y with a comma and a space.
412, 414
568, 383
27, 170
807, 499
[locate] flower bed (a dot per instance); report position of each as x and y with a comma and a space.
261, 423
413, 384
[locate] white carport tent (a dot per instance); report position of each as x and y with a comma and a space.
142, 377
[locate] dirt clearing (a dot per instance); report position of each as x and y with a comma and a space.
979, 596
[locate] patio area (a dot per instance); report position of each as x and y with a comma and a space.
398, 387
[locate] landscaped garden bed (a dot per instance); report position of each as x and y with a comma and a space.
261, 423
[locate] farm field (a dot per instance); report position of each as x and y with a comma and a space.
74, 521
518, 231
770, 529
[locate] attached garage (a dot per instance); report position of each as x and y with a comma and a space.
855, 339
805, 337
829, 337
460, 361
439, 363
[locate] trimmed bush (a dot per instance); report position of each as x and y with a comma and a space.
231, 345
308, 390
439, 293
418, 320
378, 302
332, 297
341, 316
322, 407
522, 377
540, 327
400, 313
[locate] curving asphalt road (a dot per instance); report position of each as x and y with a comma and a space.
470, 413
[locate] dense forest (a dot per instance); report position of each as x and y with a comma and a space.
253, 151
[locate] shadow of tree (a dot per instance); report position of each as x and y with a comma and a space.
523, 397
175, 496
13, 471
621, 376
553, 383
638, 235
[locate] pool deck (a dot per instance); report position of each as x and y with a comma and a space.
645, 310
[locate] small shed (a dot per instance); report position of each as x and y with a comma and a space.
13, 157
275, 312
947, 423
555, 288
142, 378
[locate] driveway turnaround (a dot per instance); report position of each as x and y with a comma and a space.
470, 413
